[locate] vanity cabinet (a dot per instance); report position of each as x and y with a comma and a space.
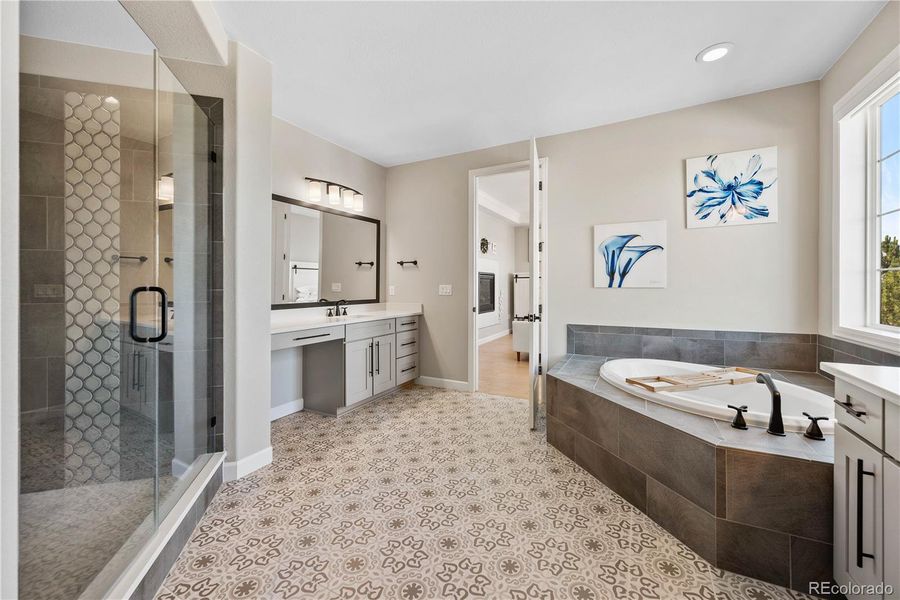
377, 358
866, 494
358, 371
383, 357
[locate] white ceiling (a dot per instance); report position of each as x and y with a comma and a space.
403, 81
506, 195
102, 24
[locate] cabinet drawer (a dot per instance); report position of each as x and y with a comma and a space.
407, 368
361, 331
407, 343
851, 402
292, 339
892, 433
407, 323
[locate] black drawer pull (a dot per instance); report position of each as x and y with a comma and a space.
408, 369
407, 343
405, 324
848, 406
860, 471
310, 337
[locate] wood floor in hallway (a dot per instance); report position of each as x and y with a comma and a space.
498, 371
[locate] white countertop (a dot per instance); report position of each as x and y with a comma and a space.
301, 319
882, 381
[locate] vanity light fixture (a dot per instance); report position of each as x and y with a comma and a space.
338, 195
714, 52
313, 191
347, 196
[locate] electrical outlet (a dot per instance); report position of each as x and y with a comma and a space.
392, 290
336, 287
445, 289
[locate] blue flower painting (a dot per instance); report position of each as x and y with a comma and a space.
735, 188
635, 258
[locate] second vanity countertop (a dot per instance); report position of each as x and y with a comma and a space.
879, 380
303, 319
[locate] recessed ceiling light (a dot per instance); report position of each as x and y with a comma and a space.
714, 52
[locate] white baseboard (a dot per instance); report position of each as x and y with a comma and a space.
495, 336
238, 468
449, 384
288, 408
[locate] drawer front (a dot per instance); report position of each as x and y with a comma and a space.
407, 368
407, 323
361, 331
892, 434
293, 339
852, 402
407, 343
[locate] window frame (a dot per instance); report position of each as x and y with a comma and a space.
873, 206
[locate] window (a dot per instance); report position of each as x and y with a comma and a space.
884, 172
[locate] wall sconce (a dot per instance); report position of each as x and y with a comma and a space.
165, 190
338, 195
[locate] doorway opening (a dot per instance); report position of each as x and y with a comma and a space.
504, 229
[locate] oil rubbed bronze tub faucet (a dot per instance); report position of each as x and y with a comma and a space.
776, 425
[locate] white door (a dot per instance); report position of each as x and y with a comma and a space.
358, 370
385, 363
535, 357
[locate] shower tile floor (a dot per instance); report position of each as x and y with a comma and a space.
434, 494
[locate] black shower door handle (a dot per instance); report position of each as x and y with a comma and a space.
132, 314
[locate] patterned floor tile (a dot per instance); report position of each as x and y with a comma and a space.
434, 494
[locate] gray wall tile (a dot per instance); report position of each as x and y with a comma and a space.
792, 357
588, 414
41, 329
810, 561
41, 169
684, 349
621, 477
752, 551
682, 518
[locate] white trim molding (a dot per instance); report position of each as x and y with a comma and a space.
850, 211
248, 464
495, 336
447, 384
288, 408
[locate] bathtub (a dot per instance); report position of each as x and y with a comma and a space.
713, 401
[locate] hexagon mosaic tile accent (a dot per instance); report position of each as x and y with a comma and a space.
92, 288
428, 494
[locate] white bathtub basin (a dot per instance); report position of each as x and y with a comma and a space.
713, 401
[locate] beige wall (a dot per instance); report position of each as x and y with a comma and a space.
754, 277
297, 154
873, 44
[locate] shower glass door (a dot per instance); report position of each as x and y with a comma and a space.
114, 246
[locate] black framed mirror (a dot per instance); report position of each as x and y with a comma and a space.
321, 255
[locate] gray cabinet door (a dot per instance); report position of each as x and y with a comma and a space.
358, 371
385, 362
892, 528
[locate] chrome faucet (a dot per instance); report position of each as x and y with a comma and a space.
776, 425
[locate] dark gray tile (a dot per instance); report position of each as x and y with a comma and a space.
41, 169
683, 349
721, 495
56, 223
744, 336
570, 341
218, 396
842, 357
705, 334
29, 79
33, 222
779, 493
608, 344
618, 475
216, 208
582, 367
810, 561
217, 308
890, 360
41, 115
672, 457
682, 518
792, 357
845, 347
32, 384
41, 330
41, 276
824, 340
56, 381
652, 331
552, 393
824, 354
560, 437
218, 376
787, 338
217, 265
587, 413
582, 327
813, 381
753, 552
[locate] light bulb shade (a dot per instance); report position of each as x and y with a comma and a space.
358, 202
165, 190
334, 195
314, 191
347, 195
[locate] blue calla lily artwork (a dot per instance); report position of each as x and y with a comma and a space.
735, 188
617, 262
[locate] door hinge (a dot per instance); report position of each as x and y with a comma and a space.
533, 318
540, 186
540, 246
212, 155
212, 422
474, 309
540, 309
540, 370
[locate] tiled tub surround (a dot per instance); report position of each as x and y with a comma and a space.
748, 502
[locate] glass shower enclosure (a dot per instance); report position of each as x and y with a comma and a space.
115, 415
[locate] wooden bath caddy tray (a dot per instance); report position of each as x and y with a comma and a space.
693, 381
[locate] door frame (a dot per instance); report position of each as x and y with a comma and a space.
472, 337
